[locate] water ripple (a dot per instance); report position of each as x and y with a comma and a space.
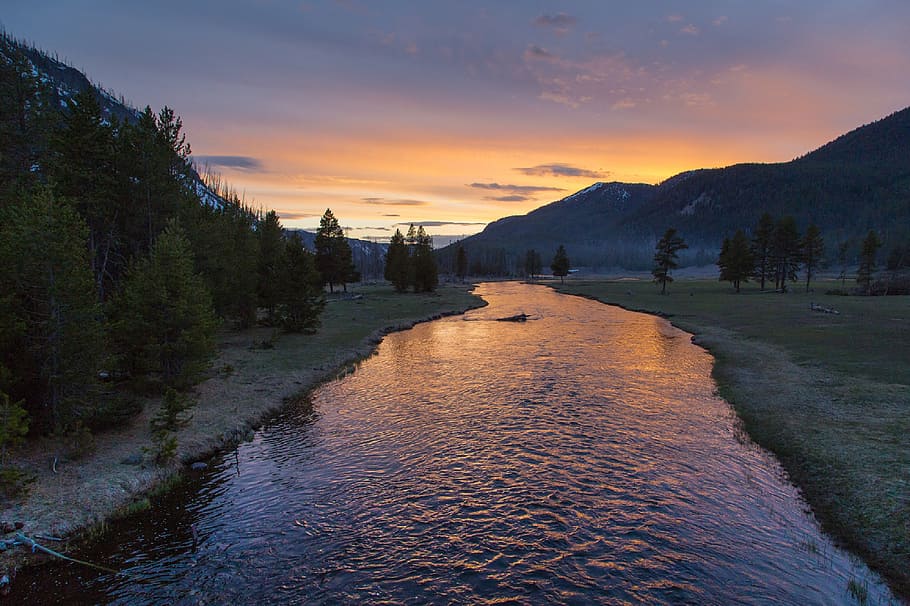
580, 457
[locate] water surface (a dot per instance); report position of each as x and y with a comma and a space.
580, 457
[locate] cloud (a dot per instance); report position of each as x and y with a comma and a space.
438, 223
720, 20
390, 215
690, 29
560, 23
516, 190
367, 229
558, 169
539, 53
399, 202
511, 198
239, 162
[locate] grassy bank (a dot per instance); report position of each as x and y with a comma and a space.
256, 371
829, 394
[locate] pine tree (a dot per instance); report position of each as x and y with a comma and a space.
735, 261
333, 253
813, 247
461, 263
867, 262
533, 264
761, 249
665, 255
397, 262
426, 273
560, 264
82, 169
163, 325
25, 121
271, 253
51, 329
786, 252
301, 293
226, 252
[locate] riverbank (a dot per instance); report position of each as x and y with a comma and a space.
828, 394
253, 376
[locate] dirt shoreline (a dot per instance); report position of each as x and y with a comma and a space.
69, 498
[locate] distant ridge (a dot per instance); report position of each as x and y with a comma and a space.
857, 182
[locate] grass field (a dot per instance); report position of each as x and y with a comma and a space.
829, 394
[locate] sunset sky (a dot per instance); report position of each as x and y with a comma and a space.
455, 114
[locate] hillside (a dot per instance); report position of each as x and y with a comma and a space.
859, 181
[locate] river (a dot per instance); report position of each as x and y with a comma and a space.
580, 457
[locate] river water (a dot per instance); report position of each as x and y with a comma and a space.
580, 457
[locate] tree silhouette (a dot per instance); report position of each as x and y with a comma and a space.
665, 255
426, 274
761, 249
533, 264
867, 262
461, 263
813, 247
397, 262
333, 253
786, 252
735, 261
560, 265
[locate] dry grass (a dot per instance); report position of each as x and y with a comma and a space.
247, 384
828, 394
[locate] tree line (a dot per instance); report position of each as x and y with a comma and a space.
410, 262
776, 252
114, 276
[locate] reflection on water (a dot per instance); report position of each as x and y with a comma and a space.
580, 457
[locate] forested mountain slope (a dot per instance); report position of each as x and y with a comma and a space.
858, 182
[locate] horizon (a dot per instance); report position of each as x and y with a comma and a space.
454, 117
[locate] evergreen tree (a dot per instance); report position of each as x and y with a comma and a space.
461, 263
333, 253
426, 274
813, 247
50, 331
226, 251
397, 262
25, 121
533, 264
867, 262
786, 252
301, 292
560, 264
271, 260
761, 249
665, 255
154, 161
163, 325
736, 262
83, 170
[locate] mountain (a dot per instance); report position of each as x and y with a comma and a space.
859, 181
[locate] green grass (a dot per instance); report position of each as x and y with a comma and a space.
828, 394
869, 337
